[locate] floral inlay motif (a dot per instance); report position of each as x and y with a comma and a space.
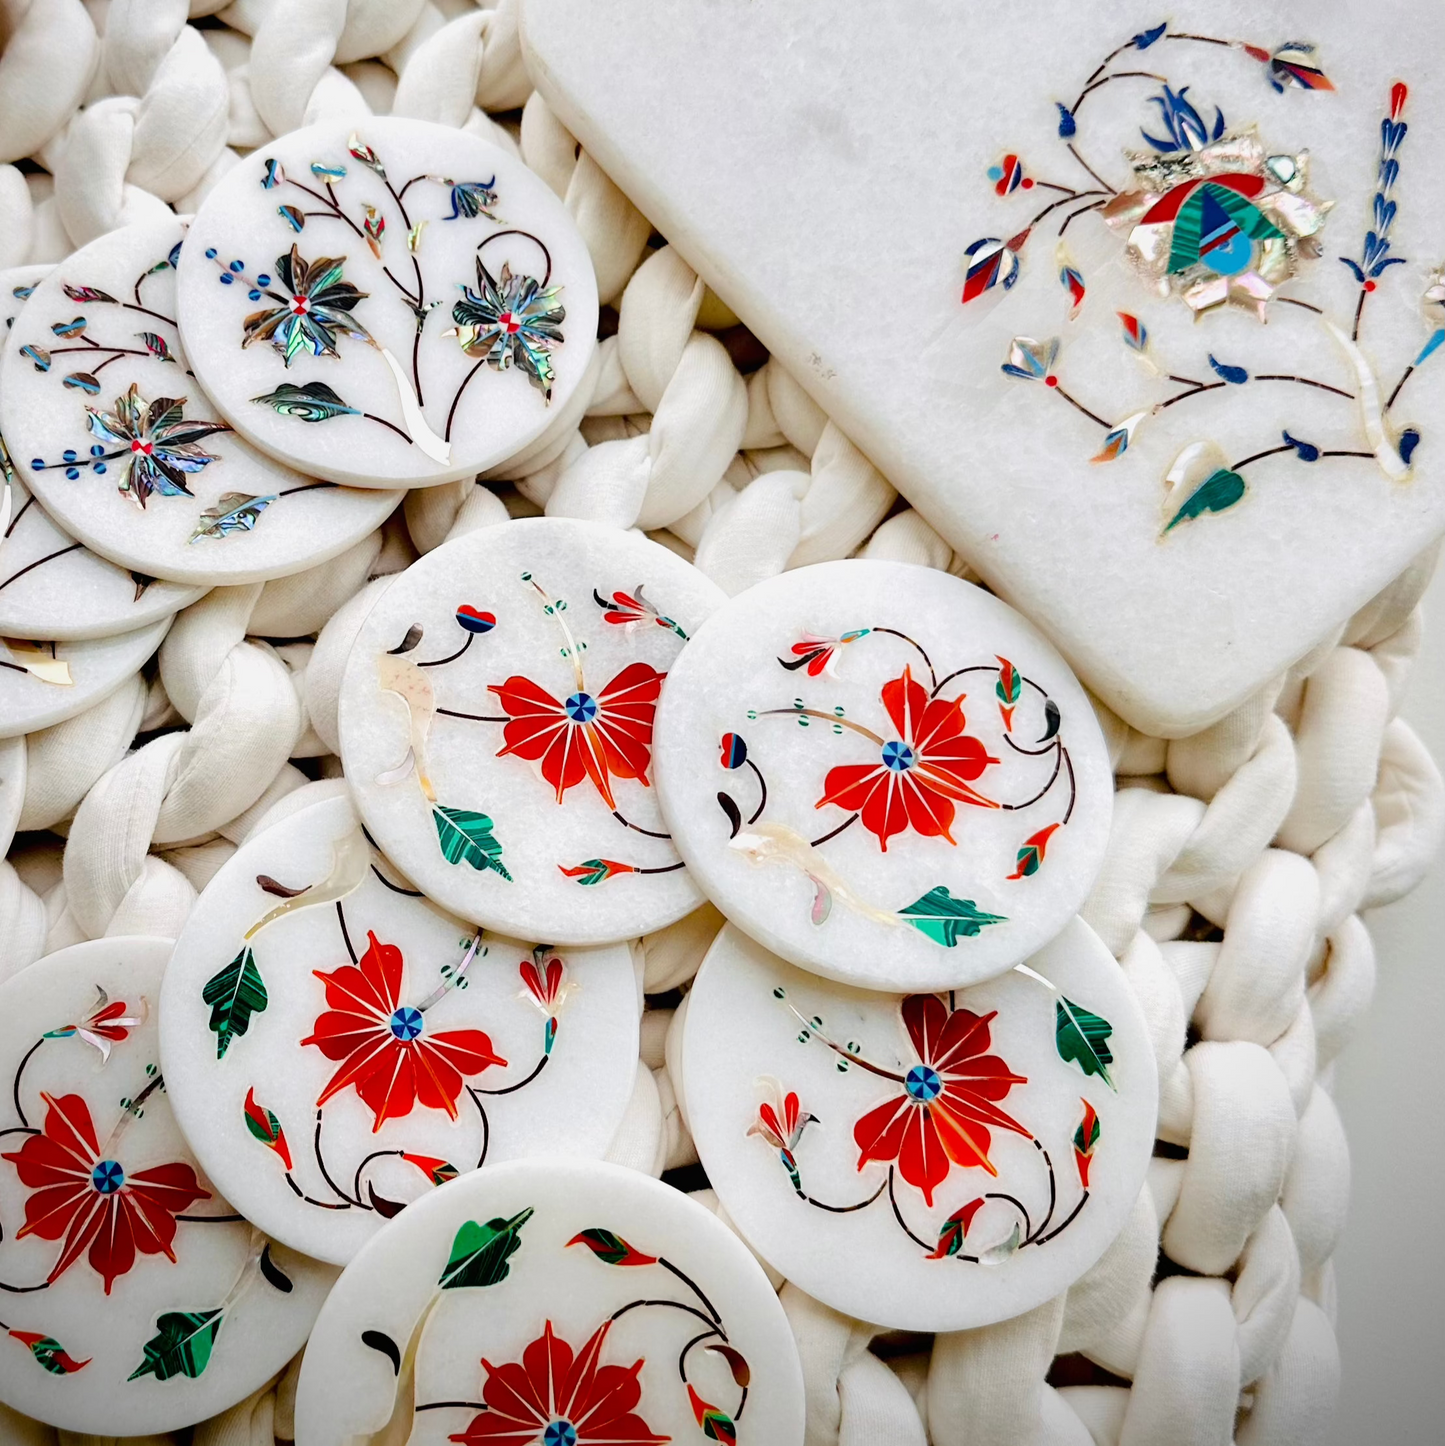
512, 320
148, 446
381, 1036
575, 732
88, 1200
86, 1193
561, 1394
383, 1046
1210, 214
925, 764
942, 1115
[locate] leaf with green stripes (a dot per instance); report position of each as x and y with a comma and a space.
1083, 1039
181, 1345
467, 837
945, 919
235, 994
480, 1252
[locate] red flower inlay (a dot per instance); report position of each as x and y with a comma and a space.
91, 1201
598, 736
947, 1108
920, 772
557, 1395
383, 1045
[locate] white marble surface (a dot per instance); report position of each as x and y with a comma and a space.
446, 411
832, 210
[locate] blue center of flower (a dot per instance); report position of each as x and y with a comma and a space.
923, 1083
898, 756
559, 1433
107, 1177
406, 1023
581, 708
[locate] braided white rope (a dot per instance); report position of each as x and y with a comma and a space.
1277, 826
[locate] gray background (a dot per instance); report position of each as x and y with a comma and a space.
1390, 1089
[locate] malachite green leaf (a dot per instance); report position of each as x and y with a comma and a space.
235, 994
945, 919
1217, 493
48, 1351
480, 1252
232, 512
1083, 1039
611, 1248
466, 837
181, 1345
314, 402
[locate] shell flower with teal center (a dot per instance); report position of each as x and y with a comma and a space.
316, 308
514, 320
158, 444
1219, 221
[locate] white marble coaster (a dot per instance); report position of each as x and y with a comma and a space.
136, 1300
106, 423
933, 1162
1185, 499
336, 1054
883, 774
12, 788
496, 727
47, 682
558, 1303
49, 582
387, 302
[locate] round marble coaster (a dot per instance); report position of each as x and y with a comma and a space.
884, 774
496, 727
49, 582
47, 682
558, 1303
308, 288
968, 1155
136, 1300
111, 430
408, 1047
